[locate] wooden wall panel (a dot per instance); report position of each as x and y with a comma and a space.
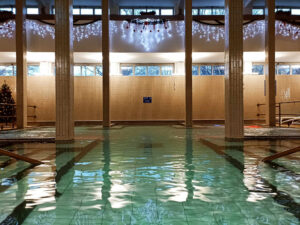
167, 98
88, 98
41, 92
253, 94
167, 95
208, 98
288, 90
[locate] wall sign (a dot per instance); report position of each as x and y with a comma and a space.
147, 99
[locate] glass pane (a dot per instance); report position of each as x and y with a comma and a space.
166, 12
257, 12
205, 11
77, 70
98, 11
127, 70
33, 70
295, 11
218, 11
195, 70
258, 69
283, 69
76, 11
32, 11
219, 70
167, 70
126, 12
87, 11
155, 10
99, 71
194, 12
141, 70
88, 70
296, 69
138, 11
6, 9
282, 10
153, 70
6, 70
205, 70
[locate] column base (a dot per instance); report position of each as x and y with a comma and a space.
234, 139
61, 141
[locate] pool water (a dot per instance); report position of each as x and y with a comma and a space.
151, 175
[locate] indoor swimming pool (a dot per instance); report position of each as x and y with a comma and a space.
149, 175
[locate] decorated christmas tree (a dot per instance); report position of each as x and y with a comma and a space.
7, 105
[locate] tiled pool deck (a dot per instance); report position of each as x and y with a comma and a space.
149, 175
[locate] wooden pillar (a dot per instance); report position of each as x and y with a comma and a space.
64, 80
188, 65
234, 104
105, 63
270, 63
21, 54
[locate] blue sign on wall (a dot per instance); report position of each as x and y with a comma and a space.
147, 99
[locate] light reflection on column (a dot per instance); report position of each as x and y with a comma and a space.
189, 173
252, 179
106, 168
115, 190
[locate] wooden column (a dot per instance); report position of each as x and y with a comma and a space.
21, 54
234, 105
105, 63
64, 80
270, 63
188, 65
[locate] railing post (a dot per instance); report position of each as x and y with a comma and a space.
279, 114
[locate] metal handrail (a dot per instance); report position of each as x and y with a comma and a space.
278, 105
29, 106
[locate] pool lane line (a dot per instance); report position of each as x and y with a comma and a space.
21, 212
281, 197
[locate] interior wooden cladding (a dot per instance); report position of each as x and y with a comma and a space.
167, 97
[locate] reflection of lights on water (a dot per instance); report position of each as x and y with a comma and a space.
7, 181
43, 209
252, 180
199, 193
117, 192
178, 194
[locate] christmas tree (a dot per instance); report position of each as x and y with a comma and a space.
7, 105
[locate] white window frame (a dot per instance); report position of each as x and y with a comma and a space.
88, 64
148, 64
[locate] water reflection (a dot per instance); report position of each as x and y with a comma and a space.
169, 179
189, 174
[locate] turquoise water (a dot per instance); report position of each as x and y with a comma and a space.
151, 175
